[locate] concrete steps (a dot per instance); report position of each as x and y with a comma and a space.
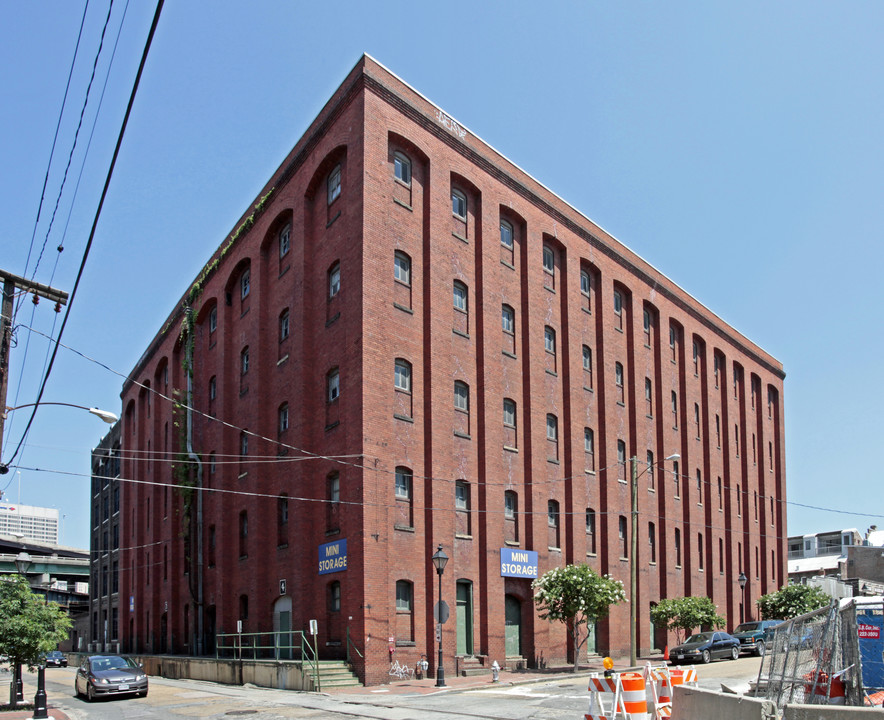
336, 673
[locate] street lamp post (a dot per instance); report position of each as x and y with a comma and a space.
633, 560
440, 559
742, 580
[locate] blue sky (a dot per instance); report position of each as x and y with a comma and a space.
737, 147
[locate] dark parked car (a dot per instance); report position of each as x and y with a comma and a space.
705, 646
55, 658
752, 635
101, 675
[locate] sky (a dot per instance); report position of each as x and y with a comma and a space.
737, 147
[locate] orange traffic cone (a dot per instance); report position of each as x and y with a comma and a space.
666, 653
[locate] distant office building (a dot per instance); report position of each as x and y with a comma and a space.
33, 523
104, 544
846, 556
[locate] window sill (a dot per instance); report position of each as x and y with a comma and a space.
506, 264
332, 221
511, 543
461, 238
591, 554
589, 472
283, 271
332, 426
621, 403
618, 329
242, 475
551, 289
244, 313
403, 308
283, 359
647, 346
652, 562
460, 536
588, 389
509, 354
510, 448
406, 643
244, 391
586, 310
404, 528
403, 204
333, 531
554, 549
461, 333
331, 320
282, 546
621, 481
465, 436
554, 461
404, 418
652, 490
553, 373
624, 559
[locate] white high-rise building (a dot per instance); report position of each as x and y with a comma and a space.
34, 523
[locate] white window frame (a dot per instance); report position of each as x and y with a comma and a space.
458, 203
507, 234
334, 385
508, 319
402, 268
334, 280
461, 396
333, 184
245, 283
402, 168
549, 260
509, 412
552, 427
549, 339
461, 300
285, 239
402, 375
283, 417
403, 485
284, 321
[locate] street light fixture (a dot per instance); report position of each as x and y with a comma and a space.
22, 563
440, 560
742, 580
633, 560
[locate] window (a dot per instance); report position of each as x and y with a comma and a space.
590, 531
334, 385
461, 396
506, 234
334, 280
720, 556
549, 260
459, 204
403, 596
716, 367
676, 476
646, 325
589, 448
213, 388
699, 487
334, 596
245, 283
402, 168
737, 439
700, 551
673, 342
212, 463
283, 417
624, 536
770, 455
649, 398
243, 607
677, 548
650, 460
334, 184
509, 412
549, 340
244, 361
618, 309
739, 502
717, 431
333, 482
618, 380
402, 375
586, 289
552, 513
652, 542
285, 239
213, 319
402, 268
674, 409
587, 367
697, 419
460, 296
720, 495
508, 319
510, 505
243, 533
552, 428
403, 483
696, 357
284, 325
282, 520
621, 460
461, 495
243, 444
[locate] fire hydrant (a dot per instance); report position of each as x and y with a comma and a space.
495, 672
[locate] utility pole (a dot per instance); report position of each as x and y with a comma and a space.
10, 284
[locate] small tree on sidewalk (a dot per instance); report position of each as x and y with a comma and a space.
684, 614
791, 601
577, 596
29, 626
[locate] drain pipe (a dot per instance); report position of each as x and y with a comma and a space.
200, 640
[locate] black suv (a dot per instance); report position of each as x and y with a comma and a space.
751, 635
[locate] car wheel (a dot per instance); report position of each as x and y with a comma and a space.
735, 653
90, 693
759, 648
707, 657
142, 694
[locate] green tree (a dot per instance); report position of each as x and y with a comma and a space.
792, 600
577, 596
29, 626
684, 614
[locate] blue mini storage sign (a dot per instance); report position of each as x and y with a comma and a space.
518, 563
333, 557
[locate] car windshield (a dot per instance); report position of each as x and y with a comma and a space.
112, 662
699, 638
747, 627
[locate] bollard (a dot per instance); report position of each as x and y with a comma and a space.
495, 672
40, 710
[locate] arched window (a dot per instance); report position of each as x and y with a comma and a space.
334, 280
402, 268
460, 296
508, 319
284, 325
285, 238
402, 375
461, 396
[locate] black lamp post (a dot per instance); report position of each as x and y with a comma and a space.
440, 560
742, 580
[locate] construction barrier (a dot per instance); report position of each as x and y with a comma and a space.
817, 683
630, 697
663, 680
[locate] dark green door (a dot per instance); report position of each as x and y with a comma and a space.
464, 617
513, 626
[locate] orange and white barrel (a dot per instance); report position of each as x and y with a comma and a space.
633, 697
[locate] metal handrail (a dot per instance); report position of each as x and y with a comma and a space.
270, 646
350, 644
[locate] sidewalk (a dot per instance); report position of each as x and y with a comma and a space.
455, 683
27, 714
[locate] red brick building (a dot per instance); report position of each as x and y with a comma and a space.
406, 342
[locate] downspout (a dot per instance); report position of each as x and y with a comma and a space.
199, 484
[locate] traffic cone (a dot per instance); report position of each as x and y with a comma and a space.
666, 652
